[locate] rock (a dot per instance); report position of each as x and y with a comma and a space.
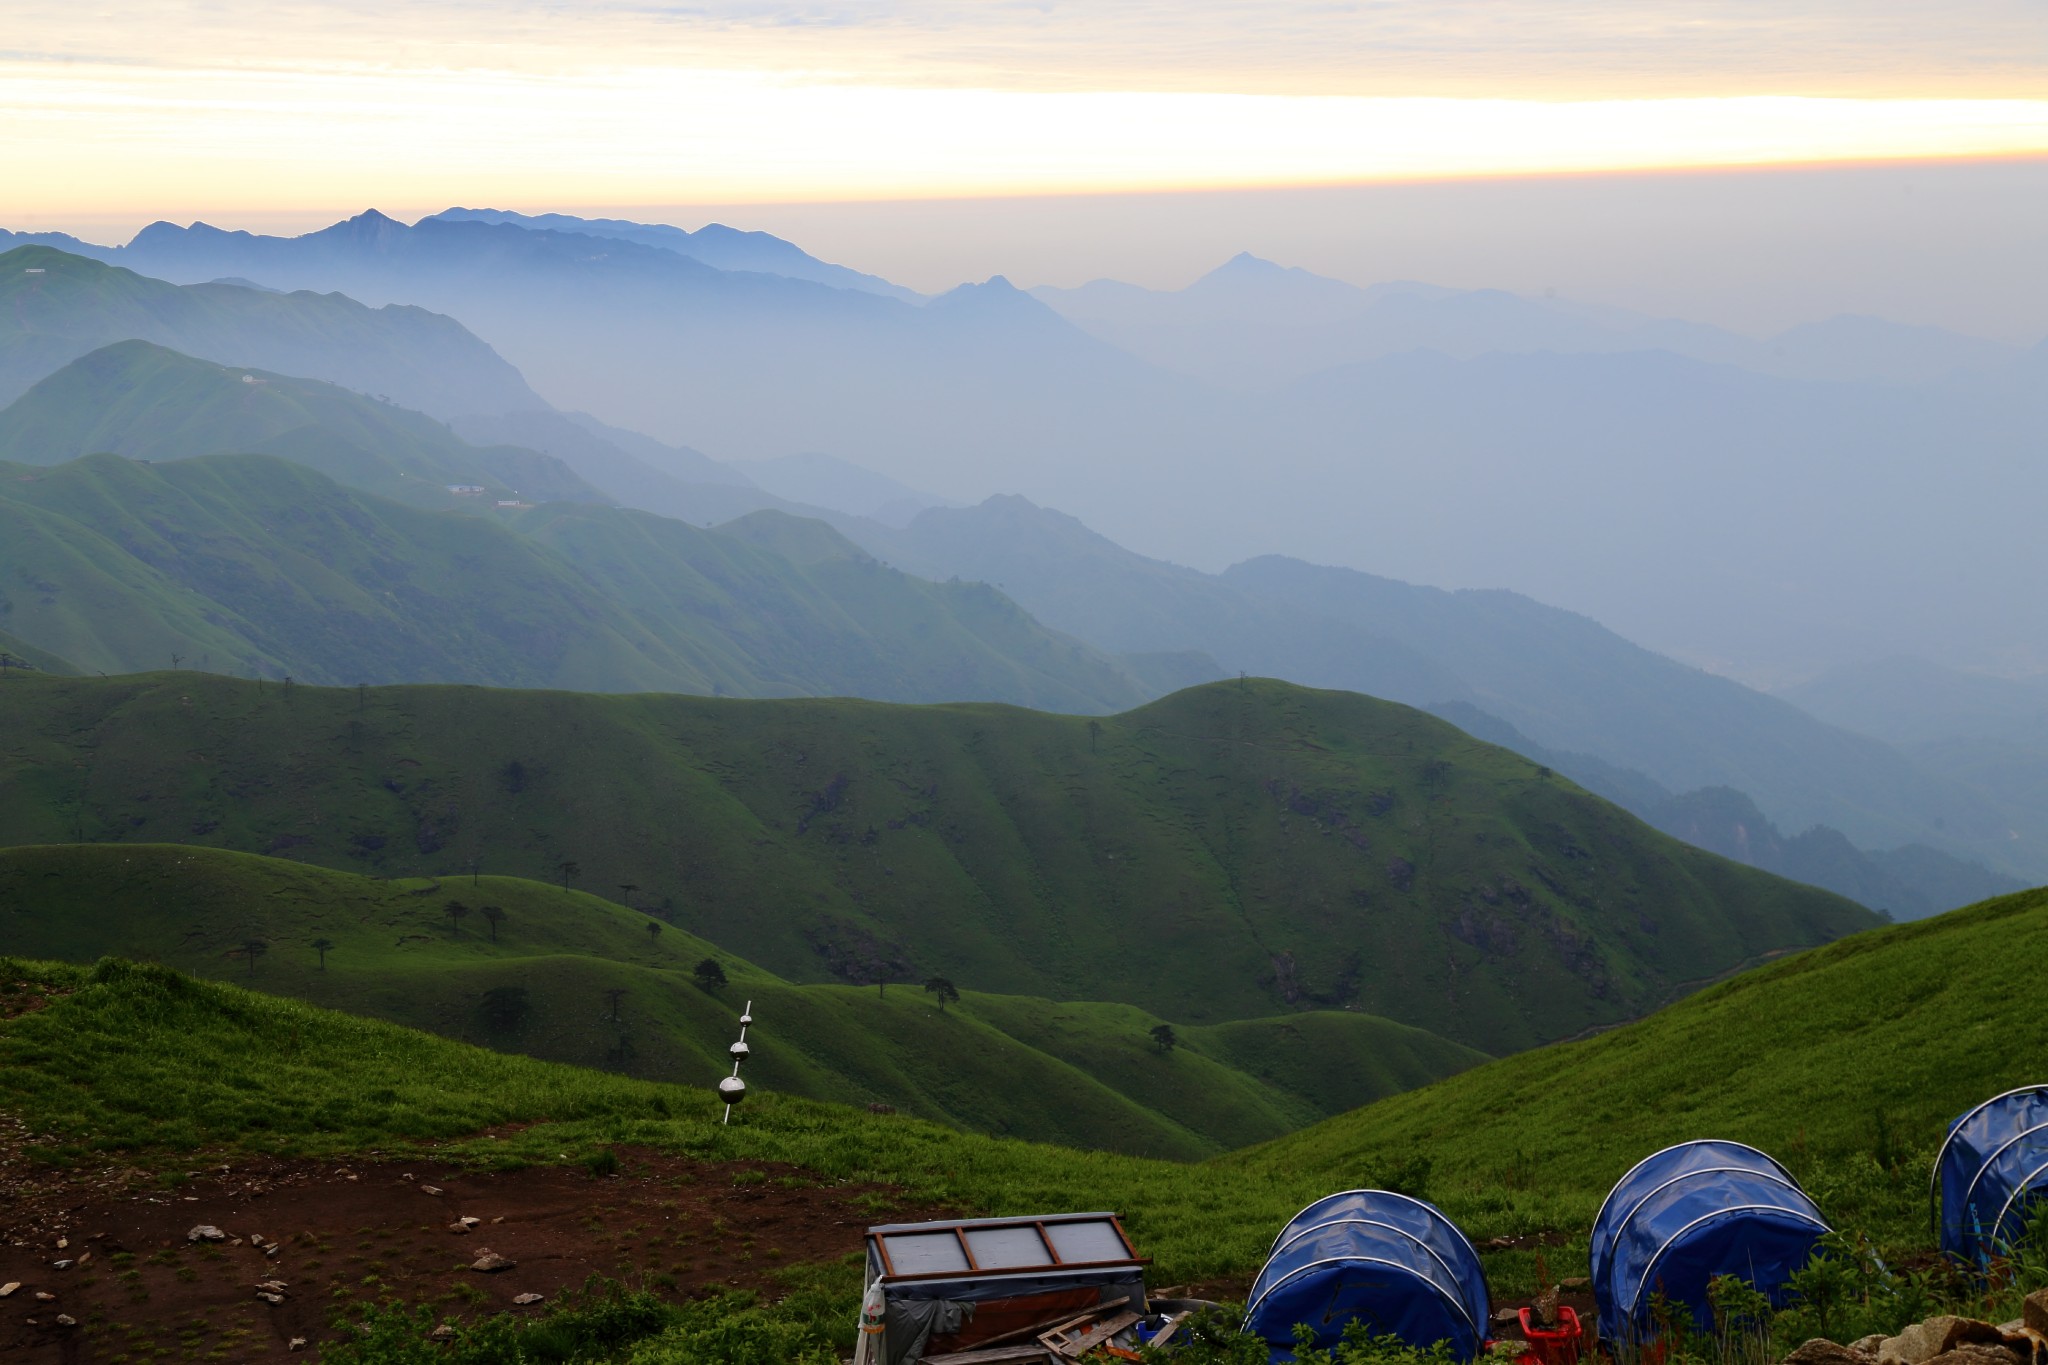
1507, 1317
206, 1232
1977, 1353
66, 1320
1574, 1284
469, 1220
274, 1286
269, 1297
234, 1241
63, 1242
272, 1249
459, 1227
1868, 1346
83, 1259
1821, 1351
444, 1332
528, 1297
430, 1189
9, 1288
2035, 1314
1923, 1341
42, 1297
60, 1265
296, 1344
491, 1262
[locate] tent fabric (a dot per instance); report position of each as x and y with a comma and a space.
1690, 1213
1990, 1170
1391, 1262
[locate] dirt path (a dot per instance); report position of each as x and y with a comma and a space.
139, 1288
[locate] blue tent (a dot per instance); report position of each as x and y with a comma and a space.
1388, 1261
1989, 1172
1688, 1214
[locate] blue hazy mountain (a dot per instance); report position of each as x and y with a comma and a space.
714, 244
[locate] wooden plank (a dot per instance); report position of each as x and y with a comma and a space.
1074, 1345
1032, 1354
1168, 1328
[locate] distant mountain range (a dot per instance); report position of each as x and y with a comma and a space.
1634, 726
1733, 501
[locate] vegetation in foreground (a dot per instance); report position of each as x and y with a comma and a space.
1872, 1044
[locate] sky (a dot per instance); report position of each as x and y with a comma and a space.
287, 115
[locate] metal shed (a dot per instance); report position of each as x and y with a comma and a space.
952, 1284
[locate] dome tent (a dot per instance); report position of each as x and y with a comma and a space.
1393, 1263
1687, 1214
1991, 1168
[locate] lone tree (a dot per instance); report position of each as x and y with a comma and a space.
1164, 1038
570, 871
614, 995
320, 946
494, 917
627, 889
506, 1007
944, 990
653, 930
710, 976
252, 949
456, 912
1094, 733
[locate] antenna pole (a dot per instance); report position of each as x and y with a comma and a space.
732, 1087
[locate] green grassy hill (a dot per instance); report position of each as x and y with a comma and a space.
21, 654
1085, 1075
1919, 1021
1233, 852
250, 564
56, 307
148, 403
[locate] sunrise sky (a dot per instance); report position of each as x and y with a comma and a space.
152, 106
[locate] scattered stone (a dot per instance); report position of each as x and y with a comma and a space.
1573, 1284
1821, 1351
444, 1332
66, 1320
499, 1219
1868, 1346
296, 1344
83, 1258
272, 1250
528, 1297
1978, 1353
406, 1176
60, 1265
1923, 1341
44, 1297
63, 1242
430, 1189
269, 1297
256, 1239
469, 1220
206, 1232
9, 1288
1507, 1317
274, 1286
2035, 1314
459, 1228
234, 1241
489, 1262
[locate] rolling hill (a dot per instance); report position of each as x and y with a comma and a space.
250, 564
148, 403
56, 306
1232, 852
1085, 1075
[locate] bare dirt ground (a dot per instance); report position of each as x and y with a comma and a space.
138, 1288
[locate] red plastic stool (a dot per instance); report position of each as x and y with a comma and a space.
1557, 1345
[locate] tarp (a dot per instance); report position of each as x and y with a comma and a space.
1393, 1263
1989, 1173
1688, 1214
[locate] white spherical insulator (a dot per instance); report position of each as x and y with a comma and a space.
732, 1090
746, 1018
741, 1051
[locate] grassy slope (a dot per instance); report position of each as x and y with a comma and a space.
255, 564
75, 305
1232, 852
1924, 1019
148, 403
1090, 1078
1867, 1044
21, 653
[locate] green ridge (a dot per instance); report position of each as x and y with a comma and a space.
1235, 851
988, 1062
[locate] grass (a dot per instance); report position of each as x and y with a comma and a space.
1083, 1074
1237, 851
1915, 1022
